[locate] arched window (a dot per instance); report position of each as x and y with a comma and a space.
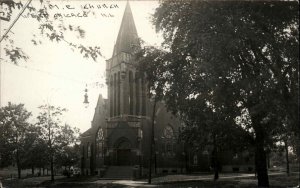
143, 96
130, 93
119, 94
89, 152
83, 152
195, 159
111, 96
169, 148
137, 94
100, 143
115, 94
168, 136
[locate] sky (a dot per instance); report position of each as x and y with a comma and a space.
56, 74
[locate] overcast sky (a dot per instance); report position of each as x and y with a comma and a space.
57, 74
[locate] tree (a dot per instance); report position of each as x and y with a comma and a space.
235, 58
49, 26
49, 121
35, 155
15, 132
288, 138
69, 151
58, 137
70, 156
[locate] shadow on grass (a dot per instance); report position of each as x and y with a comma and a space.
276, 181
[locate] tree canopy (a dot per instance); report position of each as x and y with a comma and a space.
36, 145
57, 136
15, 134
230, 59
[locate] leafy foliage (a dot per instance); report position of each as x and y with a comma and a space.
53, 29
226, 60
36, 145
15, 134
58, 137
69, 157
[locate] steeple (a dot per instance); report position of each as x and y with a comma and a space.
126, 90
127, 38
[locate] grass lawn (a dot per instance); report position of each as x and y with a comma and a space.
276, 181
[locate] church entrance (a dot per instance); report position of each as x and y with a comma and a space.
123, 157
123, 152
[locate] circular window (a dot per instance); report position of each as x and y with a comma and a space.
168, 132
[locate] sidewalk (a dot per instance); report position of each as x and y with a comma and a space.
186, 177
175, 180
179, 178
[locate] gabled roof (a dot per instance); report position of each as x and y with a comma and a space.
127, 38
98, 118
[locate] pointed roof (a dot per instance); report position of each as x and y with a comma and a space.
127, 37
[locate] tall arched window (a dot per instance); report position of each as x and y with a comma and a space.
115, 94
119, 94
143, 96
83, 152
130, 93
89, 152
100, 143
137, 94
168, 137
111, 96
195, 159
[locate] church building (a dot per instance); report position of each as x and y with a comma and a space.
118, 143
120, 134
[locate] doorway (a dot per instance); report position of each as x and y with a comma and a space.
123, 152
123, 157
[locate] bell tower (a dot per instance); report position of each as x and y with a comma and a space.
126, 88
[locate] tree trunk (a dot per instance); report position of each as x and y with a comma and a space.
216, 168
186, 160
52, 169
18, 164
268, 160
286, 148
32, 170
260, 153
155, 163
298, 150
19, 172
261, 166
50, 145
215, 159
216, 176
151, 142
